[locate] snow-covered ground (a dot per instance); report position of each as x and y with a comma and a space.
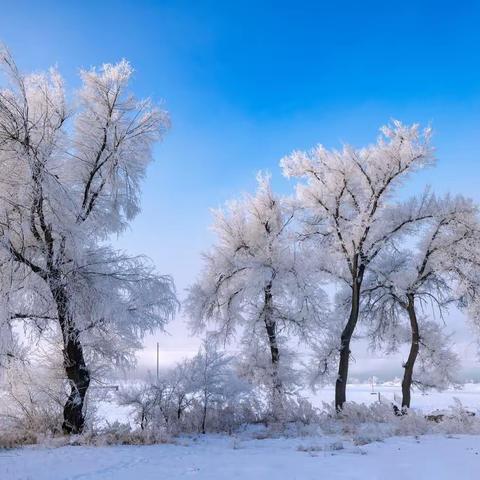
247, 457
221, 458
469, 395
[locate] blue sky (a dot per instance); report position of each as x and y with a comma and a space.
247, 82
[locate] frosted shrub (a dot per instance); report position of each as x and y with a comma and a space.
366, 424
458, 420
412, 423
202, 394
141, 399
358, 413
375, 422
121, 434
371, 432
299, 409
31, 403
15, 439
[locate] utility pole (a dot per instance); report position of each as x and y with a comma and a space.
158, 360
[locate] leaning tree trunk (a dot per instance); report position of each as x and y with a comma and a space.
347, 333
412, 356
271, 327
74, 364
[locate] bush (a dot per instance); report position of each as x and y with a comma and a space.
16, 439
32, 401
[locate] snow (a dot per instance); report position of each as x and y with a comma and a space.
469, 395
247, 456
220, 458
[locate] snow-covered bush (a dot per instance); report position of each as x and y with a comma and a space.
14, 438
209, 393
201, 394
31, 401
141, 398
366, 423
457, 420
369, 423
299, 409
122, 434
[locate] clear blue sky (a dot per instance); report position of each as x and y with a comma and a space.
247, 82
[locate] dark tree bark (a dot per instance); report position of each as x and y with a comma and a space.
73, 358
204, 414
143, 421
347, 333
271, 328
74, 364
412, 356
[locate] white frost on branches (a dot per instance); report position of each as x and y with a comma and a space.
71, 173
349, 214
258, 281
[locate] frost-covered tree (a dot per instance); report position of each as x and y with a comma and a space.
162, 402
71, 173
347, 195
182, 387
465, 265
141, 399
198, 394
210, 369
256, 280
8, 340
402, 283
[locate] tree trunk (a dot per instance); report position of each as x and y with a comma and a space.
74, 364
342, 377
204, 415
143, 420
412, 356
271, 328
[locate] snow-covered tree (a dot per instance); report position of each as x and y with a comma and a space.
465, 266
71, 175
197, 394
141, 399
347, 195
257, 281
402, 283
8, 341
210, 369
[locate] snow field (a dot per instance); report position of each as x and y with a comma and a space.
221, 458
